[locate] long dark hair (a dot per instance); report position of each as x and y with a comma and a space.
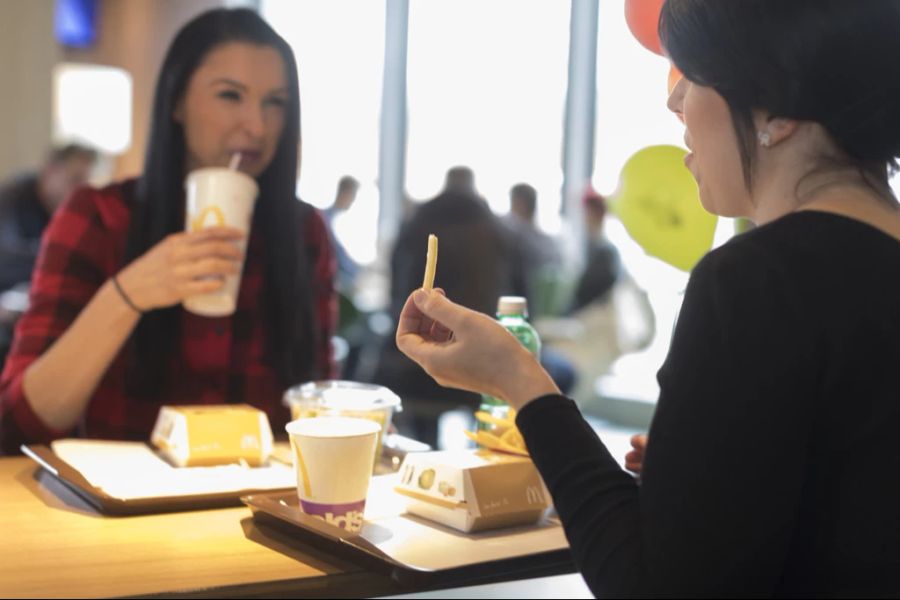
158, 210
829, 61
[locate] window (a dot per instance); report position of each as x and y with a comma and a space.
339, 47
631, 115
92, 106
486, 88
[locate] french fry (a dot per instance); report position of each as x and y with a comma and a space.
514, 438
492, 442
430, 263
505, 435
485, 417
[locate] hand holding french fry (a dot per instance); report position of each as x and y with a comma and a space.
468, 350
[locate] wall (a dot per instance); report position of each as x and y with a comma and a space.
131, 34
27, 55
134, 35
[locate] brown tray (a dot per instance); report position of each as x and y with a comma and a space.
110, 505
280, 511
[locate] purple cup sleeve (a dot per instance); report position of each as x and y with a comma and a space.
346, 516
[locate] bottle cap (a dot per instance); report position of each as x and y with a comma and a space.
512, 305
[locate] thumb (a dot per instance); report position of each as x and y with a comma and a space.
437, 307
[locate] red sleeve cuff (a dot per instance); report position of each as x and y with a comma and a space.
32, 430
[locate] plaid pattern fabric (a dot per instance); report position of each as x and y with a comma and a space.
221, 359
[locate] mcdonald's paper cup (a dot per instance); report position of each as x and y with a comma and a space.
333, 461
218, 196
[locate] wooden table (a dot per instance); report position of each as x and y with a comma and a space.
55, 545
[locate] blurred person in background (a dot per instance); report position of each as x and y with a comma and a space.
105, 341
541, 253
28, 201
26, 204
348, 268
614, 314
603, 266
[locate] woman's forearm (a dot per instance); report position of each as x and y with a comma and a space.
59, 384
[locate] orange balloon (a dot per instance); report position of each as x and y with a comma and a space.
642, 17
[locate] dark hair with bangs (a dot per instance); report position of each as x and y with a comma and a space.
158, 209
834, 62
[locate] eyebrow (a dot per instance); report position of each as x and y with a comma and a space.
239, 85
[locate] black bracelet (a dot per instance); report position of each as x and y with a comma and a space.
125, 296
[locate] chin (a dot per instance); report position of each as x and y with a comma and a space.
707, 203
720, 209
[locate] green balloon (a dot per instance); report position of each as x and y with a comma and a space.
659, 204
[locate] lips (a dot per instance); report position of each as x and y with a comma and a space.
248, 156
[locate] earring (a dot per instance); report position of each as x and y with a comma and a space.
764, 138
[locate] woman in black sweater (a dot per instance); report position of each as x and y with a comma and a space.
773, 467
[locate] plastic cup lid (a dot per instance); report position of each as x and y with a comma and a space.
343, 395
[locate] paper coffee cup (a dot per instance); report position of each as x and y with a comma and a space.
214, 197
335, 398
333, 462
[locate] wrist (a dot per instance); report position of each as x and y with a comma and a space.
125, 296
528, 383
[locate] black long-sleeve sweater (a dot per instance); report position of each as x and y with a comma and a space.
773, 467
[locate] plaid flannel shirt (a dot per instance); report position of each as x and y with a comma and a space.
220, 360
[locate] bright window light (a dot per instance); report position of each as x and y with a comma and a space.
487, 88
339, 46
92, 106
631, 115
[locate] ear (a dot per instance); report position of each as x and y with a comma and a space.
781, 129
776, 129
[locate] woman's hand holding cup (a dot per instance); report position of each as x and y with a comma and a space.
183, 265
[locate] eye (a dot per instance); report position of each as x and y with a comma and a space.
230, 95
277, 101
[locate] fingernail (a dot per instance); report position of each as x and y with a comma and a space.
420, 297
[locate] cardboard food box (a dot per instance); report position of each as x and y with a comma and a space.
202, 436
473, 490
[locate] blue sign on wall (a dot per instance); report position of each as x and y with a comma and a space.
75, 23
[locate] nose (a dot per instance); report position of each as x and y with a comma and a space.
253, 120
675, 103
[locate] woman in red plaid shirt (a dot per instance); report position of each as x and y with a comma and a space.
105, 341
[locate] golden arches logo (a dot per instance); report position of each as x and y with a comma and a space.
304, 474
533, 495
198, 221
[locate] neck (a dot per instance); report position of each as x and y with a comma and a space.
806, 170
849, 196
782, 191
43, 196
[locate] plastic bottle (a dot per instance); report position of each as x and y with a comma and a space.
512, 312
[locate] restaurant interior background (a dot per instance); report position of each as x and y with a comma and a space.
394, 92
